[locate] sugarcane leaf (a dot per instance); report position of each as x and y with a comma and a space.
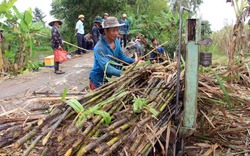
105, 115
223, 89
115, 63
79, 119
65, 91
143, 64
76, 105
110, 79
153, 111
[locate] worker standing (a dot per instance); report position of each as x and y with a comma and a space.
104, 17
124, 30
79, 30
96, 29
56, 40
106, 48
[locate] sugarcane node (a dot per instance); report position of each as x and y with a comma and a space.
60, 138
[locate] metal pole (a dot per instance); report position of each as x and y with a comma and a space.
179, 59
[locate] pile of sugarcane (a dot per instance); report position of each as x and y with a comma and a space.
223, 112
126, 116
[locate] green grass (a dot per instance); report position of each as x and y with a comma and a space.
42, 48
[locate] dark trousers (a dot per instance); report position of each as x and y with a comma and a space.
124, 39
81, 43
56, 65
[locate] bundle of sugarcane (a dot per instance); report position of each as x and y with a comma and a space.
126, 116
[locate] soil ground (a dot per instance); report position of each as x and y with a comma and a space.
13, 91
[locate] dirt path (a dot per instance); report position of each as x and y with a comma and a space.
75, 79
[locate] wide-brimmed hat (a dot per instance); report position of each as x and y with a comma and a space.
56, 20
81, 16
111, 22
98, 19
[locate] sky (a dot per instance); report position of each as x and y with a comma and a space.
217, 12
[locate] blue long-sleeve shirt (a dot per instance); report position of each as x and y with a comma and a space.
125, 28
154, 55
101, 60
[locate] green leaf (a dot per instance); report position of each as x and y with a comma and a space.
76, 105
138, 104
143, 64
18, 14
28, 17
24, 27
224, 90
6, 5
105, 115
36, 26
114, 63
65, 91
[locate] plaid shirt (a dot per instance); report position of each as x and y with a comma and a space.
56, 38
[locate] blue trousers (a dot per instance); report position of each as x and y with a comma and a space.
81, 43
124, 39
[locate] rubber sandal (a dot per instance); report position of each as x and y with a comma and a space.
59, 72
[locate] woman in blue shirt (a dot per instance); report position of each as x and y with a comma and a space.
108, 46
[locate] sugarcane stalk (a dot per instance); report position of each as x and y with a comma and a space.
45, 140
33, 144
84, 149
117, 123
59, 94
28, 150
25, 138
55, 112
115, 145
45, 151
7, 125
135, 144
5, 141
77, 144
109, 143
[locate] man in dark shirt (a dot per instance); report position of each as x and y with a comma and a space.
96, 29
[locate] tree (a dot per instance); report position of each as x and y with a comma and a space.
242, 10
38, 15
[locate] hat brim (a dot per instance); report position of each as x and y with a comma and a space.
113, 26
52, 23
96, 21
